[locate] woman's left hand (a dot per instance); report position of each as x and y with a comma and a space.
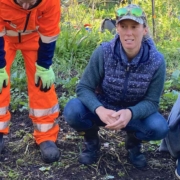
123, 117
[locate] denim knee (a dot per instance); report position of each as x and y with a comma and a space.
72, 112
158, 132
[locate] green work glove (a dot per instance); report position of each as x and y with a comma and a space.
4, 78
44, 78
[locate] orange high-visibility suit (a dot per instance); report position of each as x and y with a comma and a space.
34, 32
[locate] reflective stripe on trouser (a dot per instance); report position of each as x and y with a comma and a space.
4, 112
38, 100
4, 119
44, 127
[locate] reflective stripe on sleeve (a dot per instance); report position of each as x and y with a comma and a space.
14, 33
3, 110
44, 112
44, 127
48, 39
45, 39
4, 125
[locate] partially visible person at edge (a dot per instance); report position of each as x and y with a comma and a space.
31, 26
129, 73
171, 143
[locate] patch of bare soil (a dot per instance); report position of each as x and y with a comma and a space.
21, 157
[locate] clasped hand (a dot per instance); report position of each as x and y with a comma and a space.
114, 120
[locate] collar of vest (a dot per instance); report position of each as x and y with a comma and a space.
147, 51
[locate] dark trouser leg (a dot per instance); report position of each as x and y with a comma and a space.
1, 142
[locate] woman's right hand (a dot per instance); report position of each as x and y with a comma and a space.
106, 115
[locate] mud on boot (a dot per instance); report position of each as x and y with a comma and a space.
133, 146
92, 146
49, 151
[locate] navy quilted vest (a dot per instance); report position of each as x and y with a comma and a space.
126, 83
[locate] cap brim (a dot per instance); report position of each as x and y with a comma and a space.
137, 19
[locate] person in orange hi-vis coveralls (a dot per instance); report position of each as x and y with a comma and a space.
31, 26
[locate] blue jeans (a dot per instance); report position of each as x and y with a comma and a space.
78, 116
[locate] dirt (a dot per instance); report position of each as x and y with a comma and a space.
21, 157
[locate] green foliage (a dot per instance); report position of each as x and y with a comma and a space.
171, 57
171, 91
20, 133
166, 21
68, 85
153, 145
19, 98
13, 174
121, 174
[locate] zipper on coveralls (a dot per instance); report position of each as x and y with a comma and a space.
19, 36
26, 23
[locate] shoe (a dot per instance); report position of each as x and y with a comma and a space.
137, 158
133, 146
177, 171
49, 151
1, 143
90, 154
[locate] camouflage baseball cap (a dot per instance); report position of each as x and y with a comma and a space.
133, 12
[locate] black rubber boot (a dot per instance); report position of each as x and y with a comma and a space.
133, 146
1, 142
92, 146
49, 151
